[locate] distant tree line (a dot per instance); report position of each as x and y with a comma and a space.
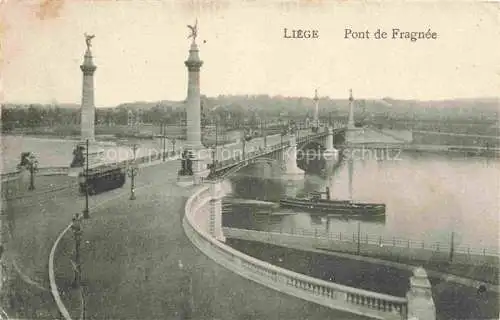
236, 111
35, 116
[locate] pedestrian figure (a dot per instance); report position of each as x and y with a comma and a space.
481, 289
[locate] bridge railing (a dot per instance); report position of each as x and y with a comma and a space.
329, 294
222, 164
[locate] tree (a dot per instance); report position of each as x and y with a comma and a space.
33, 117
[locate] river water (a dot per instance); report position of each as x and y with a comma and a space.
427, 196
59, 152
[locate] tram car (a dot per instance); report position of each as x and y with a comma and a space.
102, 178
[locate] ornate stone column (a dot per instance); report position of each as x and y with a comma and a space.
193, 106
352, 132
95, 154
87, 110
350, 119
201, 157
316, 109
292, 170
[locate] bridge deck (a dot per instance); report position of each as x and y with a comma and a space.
256, 149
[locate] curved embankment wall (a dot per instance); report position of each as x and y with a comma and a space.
52, 278
335, 296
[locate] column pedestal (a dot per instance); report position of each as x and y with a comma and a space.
95, 154
330, 153
200, 159
420, 302
200, 165
293, 172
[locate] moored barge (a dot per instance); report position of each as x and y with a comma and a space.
315, 204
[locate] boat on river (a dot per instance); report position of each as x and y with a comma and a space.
314, 203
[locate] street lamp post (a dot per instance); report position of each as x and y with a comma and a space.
243, 145
213, 160
33, 167
164, 140
214, 151
216, 132
173, 146
452, 245
132, 172
77, 234
265, 134
86, 177
359, 239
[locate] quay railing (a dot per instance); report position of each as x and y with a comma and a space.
335, 296
383, 244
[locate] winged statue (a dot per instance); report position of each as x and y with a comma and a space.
88, 39
194, 30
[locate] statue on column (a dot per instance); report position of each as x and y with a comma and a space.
194, 31
88, 40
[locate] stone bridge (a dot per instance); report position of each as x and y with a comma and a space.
283, 149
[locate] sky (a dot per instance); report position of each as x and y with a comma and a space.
140, 48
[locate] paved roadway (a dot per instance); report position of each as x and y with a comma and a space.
370, 135
130, 253
231, 150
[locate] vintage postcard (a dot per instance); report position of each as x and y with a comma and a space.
252, 160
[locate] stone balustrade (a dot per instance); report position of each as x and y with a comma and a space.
335, 296
43, 171
50, 171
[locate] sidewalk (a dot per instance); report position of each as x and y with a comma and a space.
32, 221
131, 253
16, 189
30, 226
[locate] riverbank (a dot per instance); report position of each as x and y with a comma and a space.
475, 267
452, 300
488, 273
19, 188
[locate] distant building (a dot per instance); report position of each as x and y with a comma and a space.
130, 118
135, 118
